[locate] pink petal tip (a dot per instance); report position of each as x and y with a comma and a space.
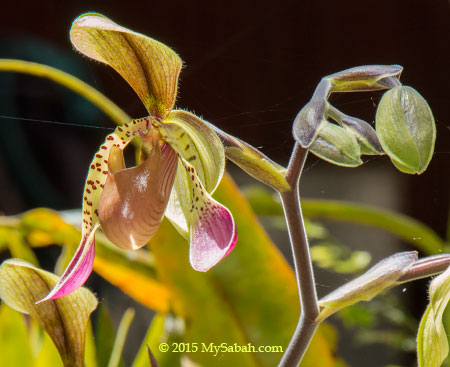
77, 272
213, 237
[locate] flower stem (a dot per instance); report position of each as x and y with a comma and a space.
306, 325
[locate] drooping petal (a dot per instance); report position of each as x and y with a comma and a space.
199, 145
213, 236
78, 269
80, 266
134, 199
212, 228
150, 67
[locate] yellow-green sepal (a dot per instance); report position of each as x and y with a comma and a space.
150, 67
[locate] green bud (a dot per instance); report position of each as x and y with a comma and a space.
365, 78
309, 121
406, 129
337, 145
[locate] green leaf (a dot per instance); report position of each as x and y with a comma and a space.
338, 258
163, 329
408, 229
432, 343
121, 336
150, 67
15, 349
406, 129
104, 332
65, 319
416, 233
337, 145
381, 276
48, 354
17, 246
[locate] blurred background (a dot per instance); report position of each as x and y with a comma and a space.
249, 68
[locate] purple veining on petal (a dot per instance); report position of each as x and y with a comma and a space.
78, 270
213, 236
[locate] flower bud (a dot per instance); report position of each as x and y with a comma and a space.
337, 145
406, 129
309, 122
365, 78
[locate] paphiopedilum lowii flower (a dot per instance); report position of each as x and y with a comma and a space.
182, 160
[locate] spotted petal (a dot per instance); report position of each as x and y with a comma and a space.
80, 266
150, 67
212, 230
197, 143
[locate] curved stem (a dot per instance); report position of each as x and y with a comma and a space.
69, 81
306, 325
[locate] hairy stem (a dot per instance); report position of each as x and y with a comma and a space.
306, 325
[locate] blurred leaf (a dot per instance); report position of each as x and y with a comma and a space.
163, 329
142, 288
48, 354
406, 129
151, 358
11, 238
15, 349
381, 276
121, 336
265, 202
104, 332
339, 258
416, 233
91, 351
357, 315
245, 298
432, 343
65, 319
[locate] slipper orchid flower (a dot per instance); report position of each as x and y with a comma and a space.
182, 160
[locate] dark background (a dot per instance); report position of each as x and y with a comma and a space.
249, 68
